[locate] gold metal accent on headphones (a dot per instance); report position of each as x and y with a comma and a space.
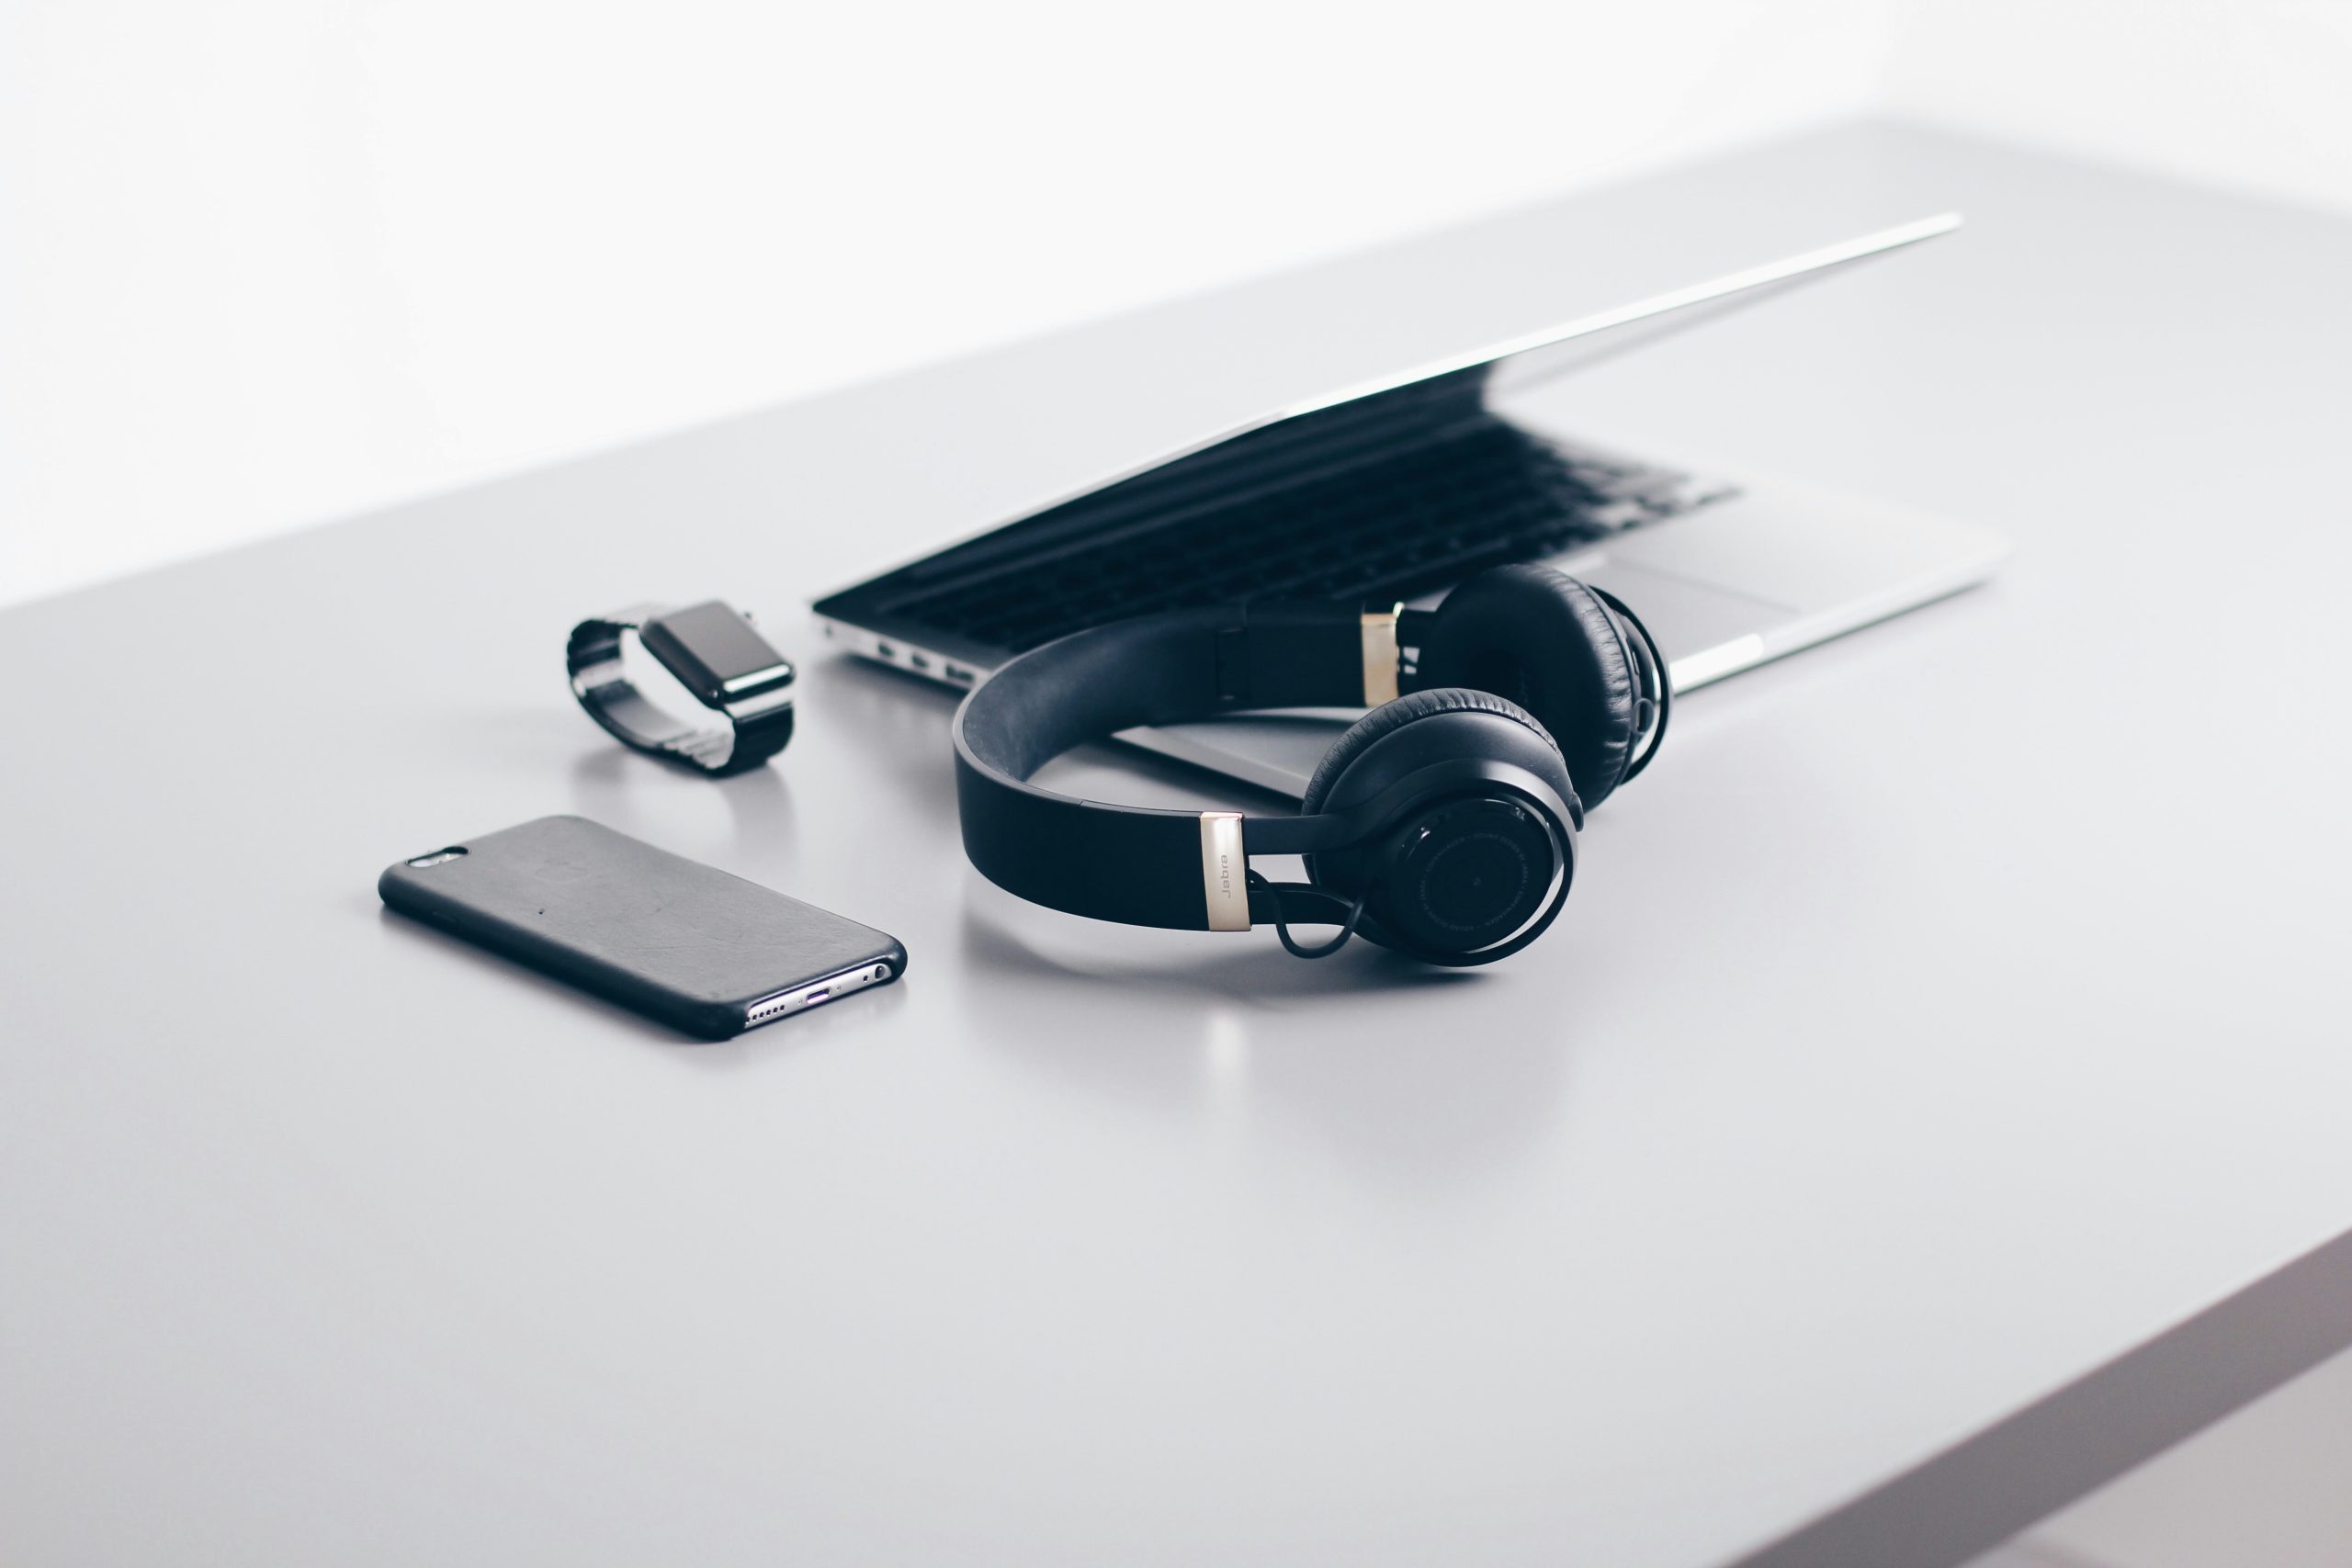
1381, 656
1225, 871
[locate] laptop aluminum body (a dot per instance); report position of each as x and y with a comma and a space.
1728, 571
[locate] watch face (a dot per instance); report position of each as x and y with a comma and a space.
715, 653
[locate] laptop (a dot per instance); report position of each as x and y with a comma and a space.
1397, 490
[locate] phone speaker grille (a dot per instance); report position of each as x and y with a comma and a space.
800, 998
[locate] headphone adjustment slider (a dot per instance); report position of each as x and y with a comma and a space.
1382, 658
1225, 872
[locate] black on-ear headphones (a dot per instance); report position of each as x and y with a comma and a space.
1443, 824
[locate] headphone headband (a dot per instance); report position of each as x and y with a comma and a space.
1428, 829
1183, 870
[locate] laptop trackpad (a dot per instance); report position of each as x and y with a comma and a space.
1686, 617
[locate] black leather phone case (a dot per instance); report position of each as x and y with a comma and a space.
678, 940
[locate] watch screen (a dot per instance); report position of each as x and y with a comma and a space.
711, 649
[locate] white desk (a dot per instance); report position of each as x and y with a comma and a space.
1934, 1098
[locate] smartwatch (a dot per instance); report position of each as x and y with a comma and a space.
715, 655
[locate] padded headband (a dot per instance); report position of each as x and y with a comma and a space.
1184, 869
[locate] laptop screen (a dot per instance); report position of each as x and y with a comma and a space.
1368, 490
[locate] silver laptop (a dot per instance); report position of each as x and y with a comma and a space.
1396, 490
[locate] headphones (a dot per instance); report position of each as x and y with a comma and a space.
1443, 824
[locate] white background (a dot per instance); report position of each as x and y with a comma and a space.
263, 262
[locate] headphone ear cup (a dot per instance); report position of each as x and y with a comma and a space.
1322, 794
1549, 644
1501, 856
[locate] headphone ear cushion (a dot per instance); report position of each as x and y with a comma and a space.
1548, 643
1389, 717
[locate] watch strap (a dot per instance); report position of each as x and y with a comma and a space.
753, 728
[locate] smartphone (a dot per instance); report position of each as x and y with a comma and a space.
678, 941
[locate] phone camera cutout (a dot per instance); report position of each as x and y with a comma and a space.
437, 856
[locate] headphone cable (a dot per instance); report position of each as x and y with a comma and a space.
1291, 944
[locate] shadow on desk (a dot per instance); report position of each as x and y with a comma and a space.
638, 796
1264, 974
1364, 1055
896, 723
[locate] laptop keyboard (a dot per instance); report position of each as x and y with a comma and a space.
1394, 528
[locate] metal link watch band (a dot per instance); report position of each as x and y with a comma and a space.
755, 703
